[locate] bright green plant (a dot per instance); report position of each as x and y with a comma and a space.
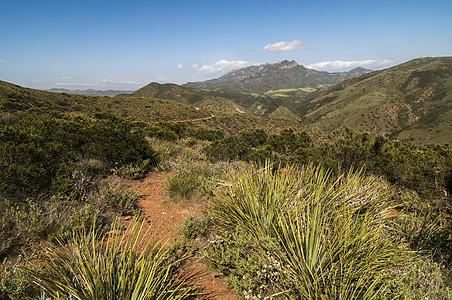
128, 265
330, 236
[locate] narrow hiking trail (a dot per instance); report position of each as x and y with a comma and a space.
184, 121
165, 216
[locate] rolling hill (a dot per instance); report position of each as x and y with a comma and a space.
412, 100
14, 98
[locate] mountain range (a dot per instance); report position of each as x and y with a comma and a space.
410, 101
90, 92
282, 75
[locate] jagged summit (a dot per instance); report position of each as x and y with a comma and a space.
282, 75
285, 64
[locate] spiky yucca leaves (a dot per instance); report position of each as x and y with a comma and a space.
332, 236
120, 266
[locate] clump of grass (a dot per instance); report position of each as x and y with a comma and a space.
192, 178
165, 152
183, 183
124, 265
331, 237
117, 197
134, 171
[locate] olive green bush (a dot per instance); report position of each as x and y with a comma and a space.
322, 237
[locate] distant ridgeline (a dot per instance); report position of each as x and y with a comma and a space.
269, 77
411, 101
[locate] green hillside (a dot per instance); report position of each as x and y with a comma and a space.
14, 98
169, 91
409, 101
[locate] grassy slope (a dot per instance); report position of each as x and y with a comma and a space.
14, 98
409, 101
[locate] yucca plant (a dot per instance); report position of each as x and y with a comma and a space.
128, 265
252, 197
337, 243
331, 235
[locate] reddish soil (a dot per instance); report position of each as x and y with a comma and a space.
165, 216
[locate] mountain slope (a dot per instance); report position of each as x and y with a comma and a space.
409, 101
169, 91
14, 98
267, 77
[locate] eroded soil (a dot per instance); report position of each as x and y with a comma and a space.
165, 216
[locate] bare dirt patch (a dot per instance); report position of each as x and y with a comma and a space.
165, 216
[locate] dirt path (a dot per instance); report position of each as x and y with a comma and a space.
166, 216
184, 121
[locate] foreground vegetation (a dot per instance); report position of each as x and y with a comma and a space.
124, 265
313, 236
288, 215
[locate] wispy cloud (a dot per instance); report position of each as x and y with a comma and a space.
341, 65
1, 61
283, 46
65, 78
219, 67
180, 66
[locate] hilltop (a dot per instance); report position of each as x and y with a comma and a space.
412, 100
169, 91
14, 99
267, 77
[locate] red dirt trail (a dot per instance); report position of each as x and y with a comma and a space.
165, 216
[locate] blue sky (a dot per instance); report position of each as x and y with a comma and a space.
127, 44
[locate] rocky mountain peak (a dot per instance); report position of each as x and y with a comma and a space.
285, 64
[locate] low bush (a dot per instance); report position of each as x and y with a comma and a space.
129, 265
14, 281
184, 182
115, 196
327, 238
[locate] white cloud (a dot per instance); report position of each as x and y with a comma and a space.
65, 78
341, 65
283, 46
222, 66
180, 66
1, 61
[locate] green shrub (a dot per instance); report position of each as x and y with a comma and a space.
37, 153
420, 278
194, 226
184, 182
207, 134
134, 171
331, 237
115, 196
14, 282
120, 266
